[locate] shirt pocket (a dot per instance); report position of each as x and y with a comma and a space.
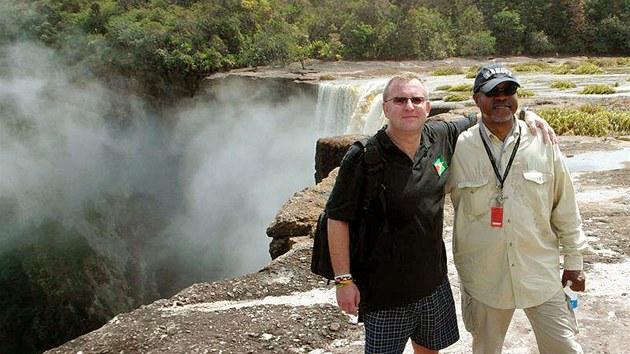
536, 193
537, 177
476, 195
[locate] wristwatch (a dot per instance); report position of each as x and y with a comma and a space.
521, 113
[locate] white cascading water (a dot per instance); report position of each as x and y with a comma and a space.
344, 108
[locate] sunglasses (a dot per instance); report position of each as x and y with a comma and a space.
508, 91
416, 101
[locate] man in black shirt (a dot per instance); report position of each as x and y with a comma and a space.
402, 289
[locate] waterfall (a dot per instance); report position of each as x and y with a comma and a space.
350, 108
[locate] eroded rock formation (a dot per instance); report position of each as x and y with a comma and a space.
298, 216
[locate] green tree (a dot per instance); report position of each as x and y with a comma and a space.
426, 34
481, 43
607, 26
509, 32
359, 39
539, 43
613, 36
474, 38
565, 24
277, 43
169, 46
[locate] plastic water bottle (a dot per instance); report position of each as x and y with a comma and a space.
573, 298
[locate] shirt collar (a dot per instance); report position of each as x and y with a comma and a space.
386, 143
512, 135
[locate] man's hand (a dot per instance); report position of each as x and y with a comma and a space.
534, 122
577, 278
348, 298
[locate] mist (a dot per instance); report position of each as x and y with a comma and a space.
244, 154
59, 148
219, 167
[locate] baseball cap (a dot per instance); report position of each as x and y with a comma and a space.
491, 75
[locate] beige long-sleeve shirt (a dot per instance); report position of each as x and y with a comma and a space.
517, 265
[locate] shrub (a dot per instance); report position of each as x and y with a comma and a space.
589, 120
597, 90
447, 70
590, 108
447, 87
564, 68
461, 88
539, 43
609, 62
477, 44
327, 77
472, 71
457, 97
588, 69
531, 67
331, 50
563, 85
523, 93
620, 122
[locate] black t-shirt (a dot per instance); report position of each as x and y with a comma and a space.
409, 262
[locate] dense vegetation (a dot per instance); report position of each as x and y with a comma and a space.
170, 44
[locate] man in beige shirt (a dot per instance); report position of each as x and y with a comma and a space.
515, 210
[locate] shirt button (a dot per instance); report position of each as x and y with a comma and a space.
512, 264
510, 244
509, 221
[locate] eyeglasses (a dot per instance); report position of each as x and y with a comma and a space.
508, 91
416, 101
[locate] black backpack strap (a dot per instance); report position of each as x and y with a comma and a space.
374, 166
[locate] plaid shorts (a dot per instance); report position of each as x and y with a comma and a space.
430, 322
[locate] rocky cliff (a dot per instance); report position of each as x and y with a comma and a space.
283, 308
299, 214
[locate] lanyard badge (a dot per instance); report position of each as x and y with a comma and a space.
496, 216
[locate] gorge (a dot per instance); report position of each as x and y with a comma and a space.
106, 207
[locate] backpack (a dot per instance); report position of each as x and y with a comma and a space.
320, 258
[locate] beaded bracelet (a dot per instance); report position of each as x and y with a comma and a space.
343, 280
343, 277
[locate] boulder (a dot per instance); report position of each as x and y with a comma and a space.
329, 152
298, 216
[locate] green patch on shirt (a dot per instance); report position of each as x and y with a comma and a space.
440, 165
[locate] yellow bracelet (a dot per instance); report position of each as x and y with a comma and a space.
343, 283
